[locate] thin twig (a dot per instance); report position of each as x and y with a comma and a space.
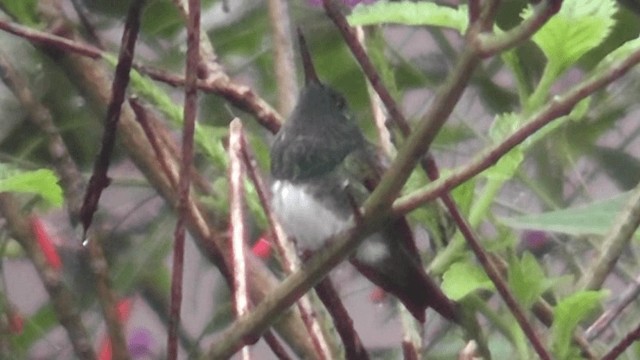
49, 40
108, 300
83, 15
353, 348
99, 180
489, 45
237, 222
239, 95
275, 346
606, 319
615, 242
160, 152
501, 286
619, 348
184, 182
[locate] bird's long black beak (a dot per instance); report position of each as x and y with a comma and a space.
310, 75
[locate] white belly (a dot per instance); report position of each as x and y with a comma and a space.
311, 223
303, 217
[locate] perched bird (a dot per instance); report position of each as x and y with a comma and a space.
323, 168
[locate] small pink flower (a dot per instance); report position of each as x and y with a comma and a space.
262, 248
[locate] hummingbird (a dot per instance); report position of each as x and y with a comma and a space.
322, 169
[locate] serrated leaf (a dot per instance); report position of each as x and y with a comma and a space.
527, 280
41, 182
410, 13
462, 278
578, 27
567, 315
592, 219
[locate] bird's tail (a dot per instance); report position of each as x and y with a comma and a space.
401, 274
412, 286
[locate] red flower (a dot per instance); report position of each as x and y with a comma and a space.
44, 242
262, 248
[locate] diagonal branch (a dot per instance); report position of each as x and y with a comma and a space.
558, 106
99, 180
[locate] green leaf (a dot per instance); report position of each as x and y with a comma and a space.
462, 278
410, 13
504, 125
25, 11
527, 280
463, 195
160, 18
507, 166
41, 182
567, 315
578, 27
592, 219
618, 54
35, 328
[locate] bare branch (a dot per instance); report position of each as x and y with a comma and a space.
615, 242
490, 45
283, 55
184, 181
99, 180
619, 348
237, 221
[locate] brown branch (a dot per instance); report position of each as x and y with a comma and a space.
61, 297
160, 151
559, 106
51, 41
108, 300
184, 181
353, 348
606, 319
501, 286
237, 218
283, 55
490, 45
240, 96
615, 242
620, 347
99, 180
